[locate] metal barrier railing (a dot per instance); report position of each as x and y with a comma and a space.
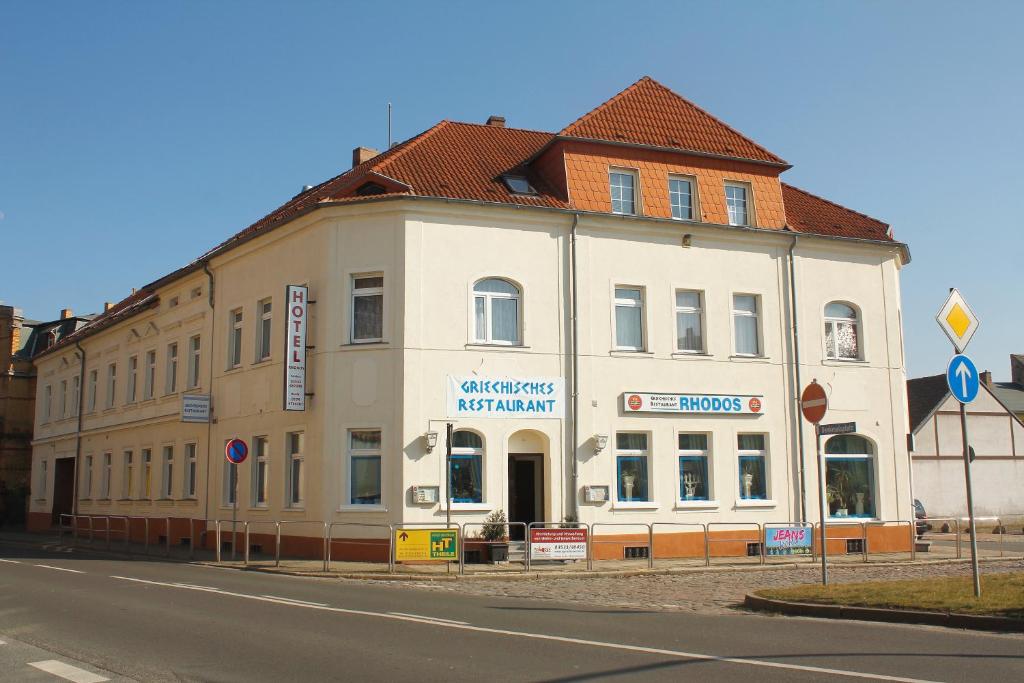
329, 541
431, 525
789, 557
997, 520
832, 525
739, 527
703, 529
481, 541
594, 541
955, 529
277, 537
321, 535
882, 523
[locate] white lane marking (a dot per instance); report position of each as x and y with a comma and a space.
424, 616
558, 639
68, 672
60, 569
3, 642
11, 561
297, 602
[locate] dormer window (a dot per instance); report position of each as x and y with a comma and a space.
623, 189
737, 199
518, 184
370, 188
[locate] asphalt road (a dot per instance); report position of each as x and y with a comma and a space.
153, 621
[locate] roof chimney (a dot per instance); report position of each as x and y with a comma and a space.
107, 306
361, 154
496, 121
65, 313
986, 378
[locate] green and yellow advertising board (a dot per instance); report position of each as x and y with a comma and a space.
426, 544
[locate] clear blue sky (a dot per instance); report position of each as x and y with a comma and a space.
134, 136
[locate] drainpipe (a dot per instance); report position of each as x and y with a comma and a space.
575, 352
209, 423
797, 388
78, 431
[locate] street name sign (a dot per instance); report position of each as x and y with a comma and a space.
236, 451
957, 320
962, 378
426, 544
837, 428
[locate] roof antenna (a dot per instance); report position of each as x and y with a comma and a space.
389, 126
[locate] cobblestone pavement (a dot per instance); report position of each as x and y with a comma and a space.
710, 592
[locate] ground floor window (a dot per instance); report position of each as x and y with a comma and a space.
168, 472
850, 476
43, 478
467, 468
128, 476
147, 473
259, 483
693, 467
632, 467
293, 468
189, 483
364, 467
753, 478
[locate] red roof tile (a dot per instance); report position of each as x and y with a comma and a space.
809, 213
648, 113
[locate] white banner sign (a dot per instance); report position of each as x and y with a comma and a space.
296, 298
719, 404
195, 407
558, 544
506, 397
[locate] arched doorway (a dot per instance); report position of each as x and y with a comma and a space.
526, 455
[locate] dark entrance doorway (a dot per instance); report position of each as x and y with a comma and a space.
525, 491
63, 488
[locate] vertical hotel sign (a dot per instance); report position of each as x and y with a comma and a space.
297, 299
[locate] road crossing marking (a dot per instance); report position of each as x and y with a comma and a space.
423, 616
558, 639
68, 672
60, 569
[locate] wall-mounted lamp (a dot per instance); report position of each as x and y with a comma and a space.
687, 240
431, 438
600, 441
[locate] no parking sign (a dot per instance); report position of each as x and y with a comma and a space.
236, 451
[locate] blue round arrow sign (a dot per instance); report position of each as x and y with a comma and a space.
962, 378
236, 451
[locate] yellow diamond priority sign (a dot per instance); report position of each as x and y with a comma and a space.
957, 320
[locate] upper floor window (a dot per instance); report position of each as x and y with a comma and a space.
260, 487
689, 335
623, 189
294, 459
263, 308
496, 311
842, 331
367, 308
47, 402
518, 184
111, 384
171, 379
76, 388
193, 362
188, 484
133, 372
149, 380
235, 339
62, 399
737, 201
629, 318
90, 391
745, 315
680, 194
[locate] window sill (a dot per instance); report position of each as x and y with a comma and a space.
755, 503
40, 500
293, 509
262, 361
362, 344
233, 368
749, 359
679, 355
259, 508
190, 501
468, 507
362, 508
635, 505
696, 505
103, 501
474, 346
844, 361
627, 353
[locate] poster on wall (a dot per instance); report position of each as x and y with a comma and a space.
296, 298
542, 397
718, 404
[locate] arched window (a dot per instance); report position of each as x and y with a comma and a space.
467, 467
850, 476
842, 331
496, 310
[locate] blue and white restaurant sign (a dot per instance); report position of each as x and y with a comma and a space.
506, 397
719, 404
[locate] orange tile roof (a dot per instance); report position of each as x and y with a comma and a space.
810, 213
648, 113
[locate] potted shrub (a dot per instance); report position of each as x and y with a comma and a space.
495, 533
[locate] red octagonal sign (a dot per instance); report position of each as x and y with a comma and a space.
813, 403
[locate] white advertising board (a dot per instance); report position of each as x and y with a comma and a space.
296, 300
558, 544
195, 407
542, 397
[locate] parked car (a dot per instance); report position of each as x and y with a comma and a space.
920, 514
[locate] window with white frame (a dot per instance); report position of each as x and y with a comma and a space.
76, 389
632, 468
167, 473
229, 483
171, 372
149, 383
629, 318
496, 305
680, 195
188, 483
294, 458
842, 332
738, 203
62, 399
364, 463
689, 321
193, 362
752, 458
86, 492
128, 476
47, 402
367, 308
147, 474
258, 471
265, 313
90, 390
694, 479
623, 191
111, 384
467, 467
745, 317
130, 383
235, 339
105, 476
850, 476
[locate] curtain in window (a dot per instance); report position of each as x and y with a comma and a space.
505, 320
369, 316
366, 480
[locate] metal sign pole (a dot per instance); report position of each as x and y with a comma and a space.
822, 505
970, 501
234, 508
